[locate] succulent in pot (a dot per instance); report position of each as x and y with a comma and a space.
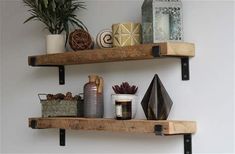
125, 91
57, 16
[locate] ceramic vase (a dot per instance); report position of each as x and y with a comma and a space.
93, 97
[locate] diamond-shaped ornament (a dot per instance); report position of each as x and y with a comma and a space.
156, 102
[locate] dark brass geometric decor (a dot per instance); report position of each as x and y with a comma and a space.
156, 102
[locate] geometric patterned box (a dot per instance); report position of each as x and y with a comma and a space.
126, 34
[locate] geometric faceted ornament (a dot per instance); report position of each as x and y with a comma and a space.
156, 102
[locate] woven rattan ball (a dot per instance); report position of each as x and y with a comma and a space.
80, 40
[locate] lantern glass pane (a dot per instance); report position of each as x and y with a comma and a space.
162, 20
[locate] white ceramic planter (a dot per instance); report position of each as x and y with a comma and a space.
55, 43
133, 99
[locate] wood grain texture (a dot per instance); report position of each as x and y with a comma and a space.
130, 126
179, 49
138, 52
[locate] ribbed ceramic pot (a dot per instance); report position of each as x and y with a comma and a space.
119, 97
93, 99
55, 43
126, 34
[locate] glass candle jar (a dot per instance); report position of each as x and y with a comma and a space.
123, 109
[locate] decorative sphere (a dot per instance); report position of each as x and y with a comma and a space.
80, 40
104, 39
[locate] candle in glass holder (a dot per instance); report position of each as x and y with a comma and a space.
123, 109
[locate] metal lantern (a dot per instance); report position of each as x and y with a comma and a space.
162, 21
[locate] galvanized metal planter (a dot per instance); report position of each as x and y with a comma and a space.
61, 108
162, 20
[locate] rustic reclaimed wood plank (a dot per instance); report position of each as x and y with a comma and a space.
130, 126
179, 49
138, 52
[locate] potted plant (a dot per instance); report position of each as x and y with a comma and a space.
57, 16
126, 92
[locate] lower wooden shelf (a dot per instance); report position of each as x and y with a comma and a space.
168, 127
159, 127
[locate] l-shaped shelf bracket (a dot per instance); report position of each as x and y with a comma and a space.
60, 67
62, 137
158, 131
185, 68
184, 62
61, 75
187, 139
61, 70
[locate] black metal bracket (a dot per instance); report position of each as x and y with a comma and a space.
158, 130
156, 51
33, 124
62, 137
61, 75
32, 62
187, 144
185, 68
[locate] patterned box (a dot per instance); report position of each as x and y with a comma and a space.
126, 34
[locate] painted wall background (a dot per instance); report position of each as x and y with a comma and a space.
206, 98
1, 57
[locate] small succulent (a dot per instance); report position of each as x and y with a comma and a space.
125, 88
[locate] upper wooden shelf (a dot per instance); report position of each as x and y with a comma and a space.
99, 124
138, 52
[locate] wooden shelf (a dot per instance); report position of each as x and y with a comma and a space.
181, 50
138, 52
130, 126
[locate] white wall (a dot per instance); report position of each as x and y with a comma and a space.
0, 72
234, 72
207, 98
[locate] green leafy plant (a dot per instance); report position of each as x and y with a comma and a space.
56, 15
125, 88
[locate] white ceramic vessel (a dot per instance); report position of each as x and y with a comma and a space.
55, 43
133, 99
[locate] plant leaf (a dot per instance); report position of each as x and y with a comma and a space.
45, 3
30, 18
57, 15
